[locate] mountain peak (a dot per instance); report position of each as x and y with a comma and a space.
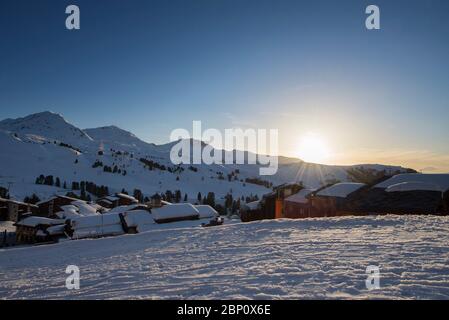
39, 116
45, 124
112, 129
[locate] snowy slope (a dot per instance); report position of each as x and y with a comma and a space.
45, 143
49, 126
284, 259
119, 139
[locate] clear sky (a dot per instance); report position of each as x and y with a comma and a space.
308, 68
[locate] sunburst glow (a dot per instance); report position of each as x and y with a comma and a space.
313, 148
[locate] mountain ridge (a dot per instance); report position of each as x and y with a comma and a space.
45, 143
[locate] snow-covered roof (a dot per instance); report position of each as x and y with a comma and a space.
300, 197
98, 231
34, 221
69, 212
126, 196
55, 197
340, 190
77, 209
110, 198
413, 186
17, 202
123, 209
206, 211
175, 210
84, 208
252, 205
69, 198
440, 181
45, 201
141, 219
53, 230
96, 221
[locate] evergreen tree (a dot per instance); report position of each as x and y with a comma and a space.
75, 185
210, 199
178, 196
138, 195
199, 197
49, 181
32, 200
169, 196
58, 182
4, 193
228, 201
83, 194
185, 197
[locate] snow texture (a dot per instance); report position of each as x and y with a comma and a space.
276, 259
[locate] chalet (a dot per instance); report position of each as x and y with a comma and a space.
138, 221
298, 205
331, 201
119, 199
108, 224
412, 193
271, 206
79, 208
119, 220
155, 201
175, 212
50, 207
33, 229
11, 210
282, 192
206, 211
108, 202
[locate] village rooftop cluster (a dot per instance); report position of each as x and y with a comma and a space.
407, 193
64, 217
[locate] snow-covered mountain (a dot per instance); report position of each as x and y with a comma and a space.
46, 144
46, 126
120, 139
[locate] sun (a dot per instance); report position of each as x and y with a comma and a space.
313, 148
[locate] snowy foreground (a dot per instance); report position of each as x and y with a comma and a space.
284, 259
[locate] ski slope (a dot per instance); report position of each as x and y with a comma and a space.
283, 259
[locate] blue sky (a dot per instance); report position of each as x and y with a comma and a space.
305, 67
